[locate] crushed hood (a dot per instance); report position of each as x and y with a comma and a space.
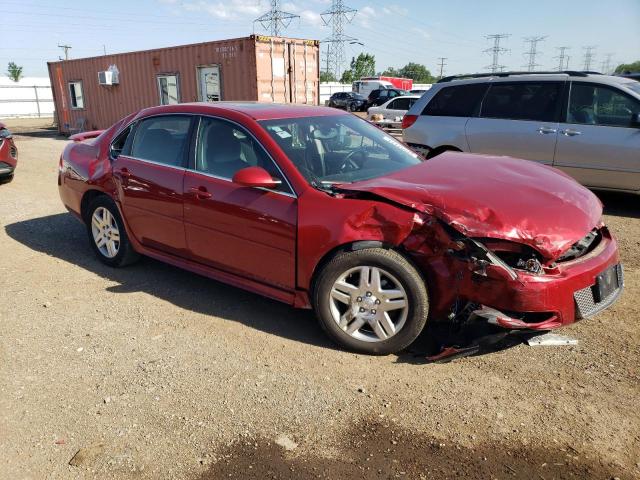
495, 197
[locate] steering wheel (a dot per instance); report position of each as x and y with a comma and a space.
350, 163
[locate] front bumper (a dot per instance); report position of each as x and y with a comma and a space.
8, 157
537, 302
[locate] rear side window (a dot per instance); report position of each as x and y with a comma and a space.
162, 139
538, 101
401, 104
456, 101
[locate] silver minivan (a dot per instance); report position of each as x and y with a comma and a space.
583, 123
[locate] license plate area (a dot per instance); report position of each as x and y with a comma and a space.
606, 284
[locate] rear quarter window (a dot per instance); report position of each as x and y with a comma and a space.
456, 101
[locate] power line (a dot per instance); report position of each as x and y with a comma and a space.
275, 20
336, 16
496, 51
66, 50
442, 65
563, 58
606, 64
533, 52
588, 57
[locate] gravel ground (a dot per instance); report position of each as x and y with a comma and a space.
153, 372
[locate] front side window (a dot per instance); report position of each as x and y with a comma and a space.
339, 149
163, 139
224, 148
591, 104
168, 89
538, 101
75, 95
456, 101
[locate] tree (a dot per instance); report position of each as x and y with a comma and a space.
362, 66
628, 67
14, 71
327, 77
417, 72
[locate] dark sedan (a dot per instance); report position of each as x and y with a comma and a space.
383, 95
349, 101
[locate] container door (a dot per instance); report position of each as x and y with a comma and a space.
209, 84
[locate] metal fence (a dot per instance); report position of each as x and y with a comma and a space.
26, 101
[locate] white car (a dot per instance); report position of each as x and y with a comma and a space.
394, 109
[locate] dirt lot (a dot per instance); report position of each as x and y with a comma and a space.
153, 372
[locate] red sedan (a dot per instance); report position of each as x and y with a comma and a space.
318, 208
8, 155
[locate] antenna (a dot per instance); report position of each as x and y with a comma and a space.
588, 57
496, 51
275, 20
336, 16
533, 52
563, 59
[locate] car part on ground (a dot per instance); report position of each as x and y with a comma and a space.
587, 125
296, 202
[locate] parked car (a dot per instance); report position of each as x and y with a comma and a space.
365, 87
8, 155
352, 102
393, 109
587, 125
320, 209
383, 95
418, 91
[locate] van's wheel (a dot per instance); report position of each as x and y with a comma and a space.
107, 234
372, 300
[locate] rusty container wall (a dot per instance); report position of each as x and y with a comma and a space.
138, 88
287, 70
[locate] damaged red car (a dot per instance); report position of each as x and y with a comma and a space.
8, 155
320, 209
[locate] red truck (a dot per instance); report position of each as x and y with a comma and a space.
398, 82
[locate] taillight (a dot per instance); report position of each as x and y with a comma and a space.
408, 120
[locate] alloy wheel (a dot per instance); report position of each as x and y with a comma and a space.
106, 234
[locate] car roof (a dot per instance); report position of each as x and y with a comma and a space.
255, 110
528, 76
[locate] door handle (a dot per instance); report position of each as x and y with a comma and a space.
200, 192
545, 130
569, 132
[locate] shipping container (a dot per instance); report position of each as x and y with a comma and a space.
93, 93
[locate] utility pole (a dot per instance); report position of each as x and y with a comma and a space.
606, 64
588, 57
66, 50
442, 64
533, 52
562, 56
275, 20
496, 51
336, 16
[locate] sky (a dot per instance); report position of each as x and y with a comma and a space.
395, 32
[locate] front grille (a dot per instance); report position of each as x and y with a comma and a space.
586, 305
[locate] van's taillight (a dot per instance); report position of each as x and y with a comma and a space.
408, 120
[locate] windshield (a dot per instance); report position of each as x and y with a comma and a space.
339, 148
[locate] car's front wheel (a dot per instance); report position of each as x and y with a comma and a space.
371, 300
107, 234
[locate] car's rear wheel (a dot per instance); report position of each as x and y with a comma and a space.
107, 234
372, 300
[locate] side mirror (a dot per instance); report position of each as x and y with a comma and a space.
635, 120
255, 177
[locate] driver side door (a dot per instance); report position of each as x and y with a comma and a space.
246, 231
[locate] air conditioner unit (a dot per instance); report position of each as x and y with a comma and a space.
110, 76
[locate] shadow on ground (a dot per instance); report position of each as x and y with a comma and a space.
63, 237
375, 450
620, 204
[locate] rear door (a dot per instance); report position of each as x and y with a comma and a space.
149, 176
597, 145
246, 231
519, 119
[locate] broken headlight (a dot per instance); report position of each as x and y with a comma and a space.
516, 255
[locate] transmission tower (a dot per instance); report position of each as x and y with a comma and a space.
563, 58
442, 65
496, 51
337, 16
606, 64
588, 57
533, 52
275, 20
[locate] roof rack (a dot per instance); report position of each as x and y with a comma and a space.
571, 73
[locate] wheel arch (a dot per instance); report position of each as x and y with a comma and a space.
87, 198
441, 149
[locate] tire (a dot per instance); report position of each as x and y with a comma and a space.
339, 291
350, 107
6, 179
108, 215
